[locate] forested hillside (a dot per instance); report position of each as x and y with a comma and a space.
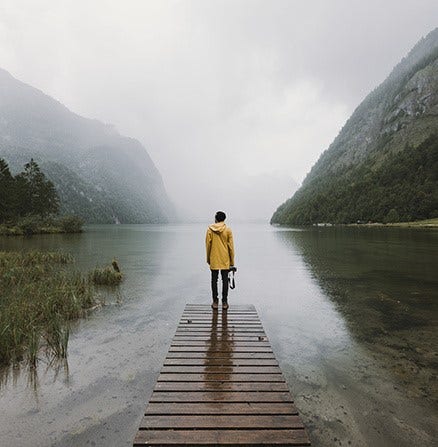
98, 174
383, 165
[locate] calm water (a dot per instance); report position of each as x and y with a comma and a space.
351, 314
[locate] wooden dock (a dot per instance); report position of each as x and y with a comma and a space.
221, 385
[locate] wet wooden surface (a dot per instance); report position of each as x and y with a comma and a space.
221, 385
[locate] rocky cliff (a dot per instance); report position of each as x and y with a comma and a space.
384, 160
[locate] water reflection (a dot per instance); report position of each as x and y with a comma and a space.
58, 367
384, 284
219, 351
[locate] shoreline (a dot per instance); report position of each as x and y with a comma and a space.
32, 225
427, 223
16, 231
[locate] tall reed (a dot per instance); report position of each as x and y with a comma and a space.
39, 294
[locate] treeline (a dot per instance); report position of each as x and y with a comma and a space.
402, 187
28, 193
29, 202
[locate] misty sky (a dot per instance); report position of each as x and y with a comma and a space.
234, 100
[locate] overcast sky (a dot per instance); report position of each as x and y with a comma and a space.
234, 100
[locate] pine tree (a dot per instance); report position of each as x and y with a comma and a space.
37, 195
6, 192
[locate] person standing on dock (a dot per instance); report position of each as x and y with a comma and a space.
220, 256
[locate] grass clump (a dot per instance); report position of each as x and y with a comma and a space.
107, 276
29, 225
39, 295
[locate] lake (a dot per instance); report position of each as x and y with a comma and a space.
351, 313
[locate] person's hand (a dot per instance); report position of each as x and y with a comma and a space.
233, 268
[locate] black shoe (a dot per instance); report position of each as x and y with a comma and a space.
225, 305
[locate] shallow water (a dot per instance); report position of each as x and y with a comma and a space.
351, 314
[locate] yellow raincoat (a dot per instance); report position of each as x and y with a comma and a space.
220, 247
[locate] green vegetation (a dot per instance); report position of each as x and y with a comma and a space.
107, 276
29, 193
29, 202
37, 225
402, 188
383, 165
39, 294
70, 224
427, 223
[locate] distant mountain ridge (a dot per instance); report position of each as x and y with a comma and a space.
361, 175
99, 174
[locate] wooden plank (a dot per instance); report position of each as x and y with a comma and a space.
219, 325
218, 421
221, 329
220, 369
220, 315
220, 355
235, 344
223, 377
229, 331
219, 348
218, 328
220, 312
215, 326
219, 333
230, 438
225, 318
238, 341
208, 307
221, 386
226, 315
218, 361
220, 322
229, 314
221, 396
214, 330
220, 408
236, 337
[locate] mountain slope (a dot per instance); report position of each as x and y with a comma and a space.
360, 176
100, 175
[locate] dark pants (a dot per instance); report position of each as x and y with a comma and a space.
214, 278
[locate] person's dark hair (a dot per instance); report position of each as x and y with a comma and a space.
220, 216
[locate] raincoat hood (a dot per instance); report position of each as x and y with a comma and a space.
218, 227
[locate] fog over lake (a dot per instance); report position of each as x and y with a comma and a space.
232, 99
